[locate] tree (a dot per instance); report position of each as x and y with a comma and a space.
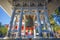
57, 11
29, 21
53, 23
3, 31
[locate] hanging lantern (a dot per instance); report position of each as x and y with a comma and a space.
26, 31
16, 27
22, 27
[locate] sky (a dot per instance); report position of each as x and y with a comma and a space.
57, 19
4, 18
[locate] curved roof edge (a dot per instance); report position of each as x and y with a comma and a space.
5, 10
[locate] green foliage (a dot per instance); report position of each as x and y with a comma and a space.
3, 30
56, 27
53, 24
57, 11
29, 22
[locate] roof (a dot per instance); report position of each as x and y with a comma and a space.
6, 4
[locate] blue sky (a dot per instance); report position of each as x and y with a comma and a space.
4, 18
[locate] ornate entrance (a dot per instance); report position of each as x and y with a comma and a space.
37, 8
